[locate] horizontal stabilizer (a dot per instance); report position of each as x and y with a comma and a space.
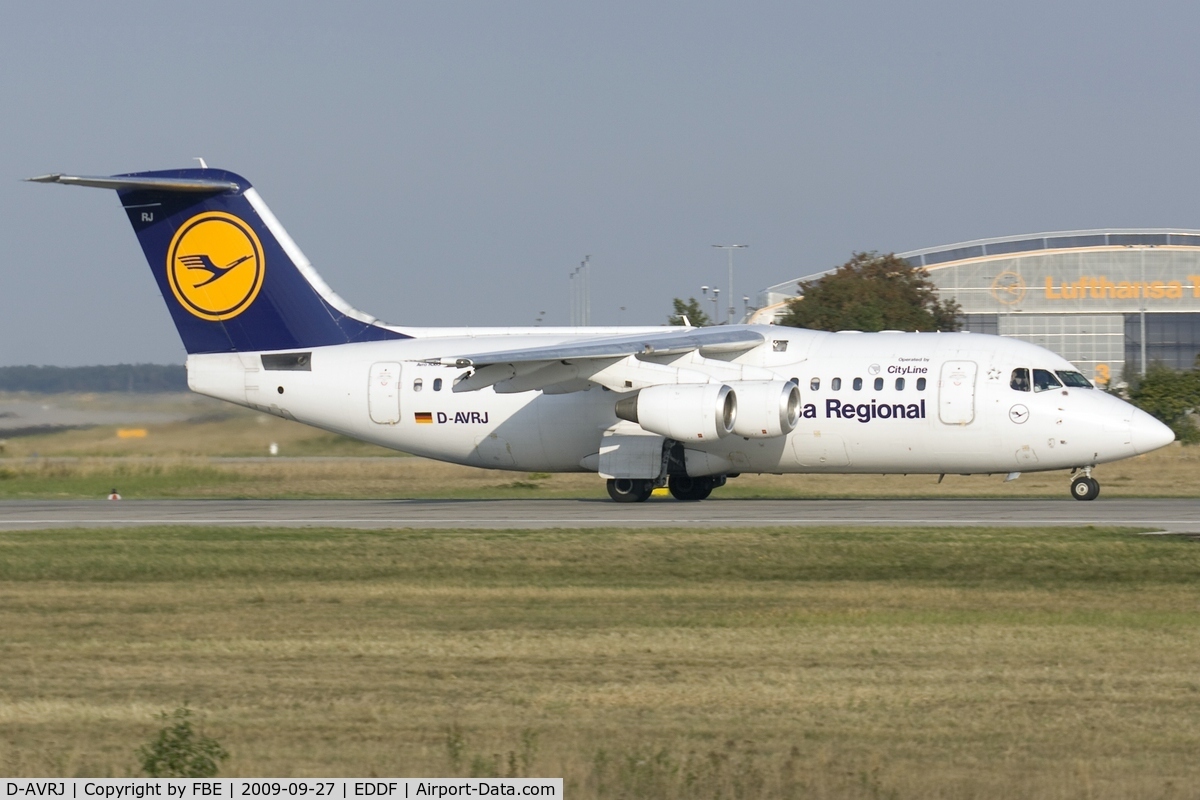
124, 182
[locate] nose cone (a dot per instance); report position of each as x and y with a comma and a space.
1148, 433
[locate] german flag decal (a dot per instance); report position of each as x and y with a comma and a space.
424, 417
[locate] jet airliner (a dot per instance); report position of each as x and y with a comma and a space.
687, 408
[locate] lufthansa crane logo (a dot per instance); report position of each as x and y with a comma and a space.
215, 265
1009, 288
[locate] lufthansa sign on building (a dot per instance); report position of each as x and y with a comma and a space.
1101, 288
1109, 301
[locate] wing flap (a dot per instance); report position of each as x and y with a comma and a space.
723, 340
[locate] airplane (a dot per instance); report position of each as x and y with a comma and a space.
644, 407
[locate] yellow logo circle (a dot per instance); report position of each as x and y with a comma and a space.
215, 265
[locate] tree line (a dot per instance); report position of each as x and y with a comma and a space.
140, 378
870, 292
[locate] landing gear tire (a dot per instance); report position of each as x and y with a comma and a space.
1085, 488
689, 489
629, 490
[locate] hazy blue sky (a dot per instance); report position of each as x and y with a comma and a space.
452, 162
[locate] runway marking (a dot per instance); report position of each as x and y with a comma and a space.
1171, 515
596, 522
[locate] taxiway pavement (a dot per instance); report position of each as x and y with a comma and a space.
1168, 515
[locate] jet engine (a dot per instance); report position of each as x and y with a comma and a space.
686, 412
766, 408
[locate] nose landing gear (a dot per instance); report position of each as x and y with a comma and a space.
1084, 486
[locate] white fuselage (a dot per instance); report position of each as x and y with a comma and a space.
954, 411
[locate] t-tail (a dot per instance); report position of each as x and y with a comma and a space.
231, 276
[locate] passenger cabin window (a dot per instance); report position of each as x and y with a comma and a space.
1073, 379
814, 384
835, 384
899, 384
1044, 380
879, 384
920, 384
858, 384
418, 385
437, 384
1020, 379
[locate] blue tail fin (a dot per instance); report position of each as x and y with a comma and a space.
231, 276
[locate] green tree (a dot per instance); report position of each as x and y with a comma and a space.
1172, 397
691, 309
872, 292
178, 752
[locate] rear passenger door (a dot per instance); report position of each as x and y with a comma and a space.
383, 393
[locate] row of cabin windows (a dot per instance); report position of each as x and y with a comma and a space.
1044, 380
836, 384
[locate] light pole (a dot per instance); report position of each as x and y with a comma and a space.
581, 294
729, 248
1142, 317
574, 298
716, 306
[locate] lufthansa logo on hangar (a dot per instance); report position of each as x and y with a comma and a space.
215, 265
1009, 288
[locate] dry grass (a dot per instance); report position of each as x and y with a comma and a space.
816, 663
1171, 472
187, 459
206, 427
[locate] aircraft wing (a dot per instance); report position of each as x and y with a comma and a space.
541, 367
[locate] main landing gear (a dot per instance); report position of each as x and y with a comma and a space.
684, 488
1084, 486
630, 490
636, 490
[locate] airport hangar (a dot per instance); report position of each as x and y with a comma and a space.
1109, 301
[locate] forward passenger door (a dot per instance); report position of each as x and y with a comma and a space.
956, 392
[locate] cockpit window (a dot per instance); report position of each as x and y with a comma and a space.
1020, 379
1044, 380
1073, 379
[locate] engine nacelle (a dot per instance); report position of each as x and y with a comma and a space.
686, 412
766, 408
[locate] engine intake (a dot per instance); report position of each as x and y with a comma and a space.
766, 408
686, 412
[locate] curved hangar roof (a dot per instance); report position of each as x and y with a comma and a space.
1060, 240
1094, 271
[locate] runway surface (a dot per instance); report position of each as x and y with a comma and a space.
1169, 515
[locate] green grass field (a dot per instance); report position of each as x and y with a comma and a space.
1055, 663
